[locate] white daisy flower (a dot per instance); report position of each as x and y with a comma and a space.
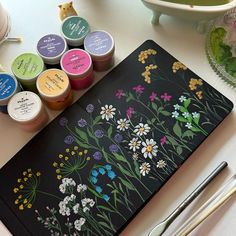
78, 223
186, 114
195, 115
107, 112
134, 144
182, 98
141, 129
144, 168
161, 164
149, 148
123, 124
176, 106
135, 156
175, 114
188, 125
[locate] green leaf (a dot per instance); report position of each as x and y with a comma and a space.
124, 171
165, 113
181, 119
187, 102
153, 120
160, 108
81, 144
109, 132
114, 192
94, 192
126, 184
183, 109
177, 130
82, 134
149, 122
120, 157
196, 120
136, 168
172, 141
96, 120
105, 208
195, 129
104, 224
179, 150
130, 97
154, 106
188, 134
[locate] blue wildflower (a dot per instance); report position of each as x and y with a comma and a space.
90, 108
113, 148
111, 174
99, 133
105, 197
63, 121
118, 138
108, 167
82, 123
101, 171
69, 139
98, 189
94, 173
93, 179
97, 156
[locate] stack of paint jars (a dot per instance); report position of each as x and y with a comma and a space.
62, 63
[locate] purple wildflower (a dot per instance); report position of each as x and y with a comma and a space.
97, 156
90, 108
99, 133
152, 96
113, 148
138, 89
129, 112
118, 138
63, 121
120, 93
82, 123
69, 139
166, 97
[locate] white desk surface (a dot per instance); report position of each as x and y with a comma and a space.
129, 23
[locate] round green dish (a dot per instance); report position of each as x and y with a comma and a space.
221, 46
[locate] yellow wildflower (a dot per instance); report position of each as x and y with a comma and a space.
61, 164
88, 158
55, 164
59, 177
25, 179
58, 171
19, 180
21, 186
60, 156
29, 205
29, 170
38, 173
17, 201
66, 158
15, 190
67, 150
25, 201
72, 153
199, 94
21, 207
85, 151
24, 173
30, 175
20, 196
80, 153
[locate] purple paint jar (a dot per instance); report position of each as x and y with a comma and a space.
77, 64
101, 47
51, 47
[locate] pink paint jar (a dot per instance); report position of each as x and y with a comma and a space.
26, 108
101, 47
77, 64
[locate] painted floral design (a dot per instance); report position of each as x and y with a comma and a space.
107, 112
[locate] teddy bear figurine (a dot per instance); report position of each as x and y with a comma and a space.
66, 10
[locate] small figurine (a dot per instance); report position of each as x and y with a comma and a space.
66, 10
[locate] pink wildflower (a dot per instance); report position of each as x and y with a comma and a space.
163, 140
129, 112
166, 97
138, 89
152, 96
120, 93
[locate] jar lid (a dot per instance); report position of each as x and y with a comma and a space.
8, 87
74, 29
24, 107
53, 85
221, 46
27, 67
99, 44
76, 62
51, 47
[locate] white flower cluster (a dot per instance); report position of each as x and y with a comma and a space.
81, 188
66, 182
76, 208
78, 223
64, 205
87, 203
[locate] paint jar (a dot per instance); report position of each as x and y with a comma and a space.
74, 29
101, 47
8, 87
51, 47
4, 23
26, 68
54, 88
77, 64
27, 109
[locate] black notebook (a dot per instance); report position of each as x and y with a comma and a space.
93, 168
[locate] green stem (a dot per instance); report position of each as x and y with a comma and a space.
49, 194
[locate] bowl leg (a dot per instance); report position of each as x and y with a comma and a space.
155, 17
201, 26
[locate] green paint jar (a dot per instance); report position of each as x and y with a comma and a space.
74, 29
26, 68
